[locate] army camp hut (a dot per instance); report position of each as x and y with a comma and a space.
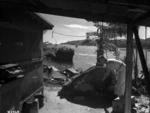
23, 35
21, 39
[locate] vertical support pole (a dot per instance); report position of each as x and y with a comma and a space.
146, 43
136, 65
142, 58
0, 100
129, 63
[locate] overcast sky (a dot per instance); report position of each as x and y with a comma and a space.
72, 26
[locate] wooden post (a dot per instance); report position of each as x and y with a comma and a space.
129, 62
136, 65
146, 43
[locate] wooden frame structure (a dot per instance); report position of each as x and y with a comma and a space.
133, 13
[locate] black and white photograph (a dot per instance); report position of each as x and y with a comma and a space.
74, 56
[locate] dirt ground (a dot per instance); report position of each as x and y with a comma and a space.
54, 104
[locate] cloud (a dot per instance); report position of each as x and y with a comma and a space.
81, 26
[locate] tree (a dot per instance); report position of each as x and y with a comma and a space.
107, 32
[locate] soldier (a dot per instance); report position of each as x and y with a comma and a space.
104, 79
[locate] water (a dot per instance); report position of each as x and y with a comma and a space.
85, 57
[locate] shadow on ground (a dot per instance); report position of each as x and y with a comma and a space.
93, 101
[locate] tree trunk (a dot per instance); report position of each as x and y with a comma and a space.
100, 48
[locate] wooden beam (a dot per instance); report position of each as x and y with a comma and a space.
129, 62
142, 58
141, 19
146, 43
0, 98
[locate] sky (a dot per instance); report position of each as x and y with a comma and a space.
72, 26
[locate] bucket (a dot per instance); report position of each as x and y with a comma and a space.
31, 106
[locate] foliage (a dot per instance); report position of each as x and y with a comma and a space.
116, 29
107, 32
111, 30
121, 43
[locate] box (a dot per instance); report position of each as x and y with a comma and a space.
118, 104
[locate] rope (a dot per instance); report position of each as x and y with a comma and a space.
66, 34
119, 67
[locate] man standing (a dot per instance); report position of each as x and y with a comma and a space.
104, 79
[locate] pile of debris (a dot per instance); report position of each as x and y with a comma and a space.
139, 85
140, 91
142, 104
138, 104
54, 76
